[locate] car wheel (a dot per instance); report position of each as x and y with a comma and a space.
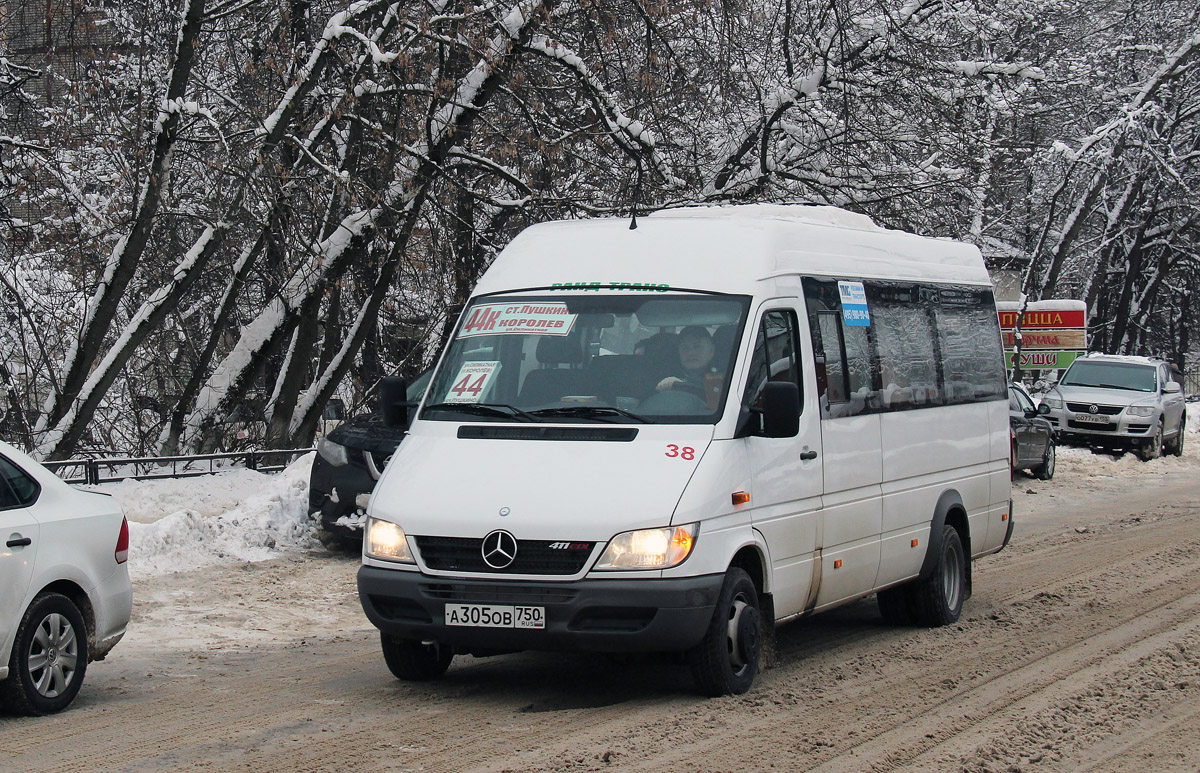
725, 662
413, 660
1153, 449
938, 600
1177, 446
896, 605
49, 657
1046, 470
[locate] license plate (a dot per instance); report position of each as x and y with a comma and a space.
496, 616
1090, 419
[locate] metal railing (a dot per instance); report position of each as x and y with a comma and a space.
89, 471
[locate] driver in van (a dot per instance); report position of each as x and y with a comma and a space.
698, 375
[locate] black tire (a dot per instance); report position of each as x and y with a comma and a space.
896, 605
1177, 446
725, 662
938, 600
1154, 448
1046, 470
413, 660
49, 657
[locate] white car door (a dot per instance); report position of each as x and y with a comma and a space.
19, 534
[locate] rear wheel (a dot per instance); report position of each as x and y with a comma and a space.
1177, 446
1046, 470
725, 662
413, 660
938, 600
49, 657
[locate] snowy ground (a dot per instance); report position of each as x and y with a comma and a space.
248, 650
239, 516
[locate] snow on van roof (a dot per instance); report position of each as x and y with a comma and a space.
725, 249
801, 213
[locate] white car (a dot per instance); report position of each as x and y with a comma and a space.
65, 595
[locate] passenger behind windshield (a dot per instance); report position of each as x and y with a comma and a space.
696, 372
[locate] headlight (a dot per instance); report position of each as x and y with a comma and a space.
1141, 410
1052, 400
386, 540
649, 548
332, 452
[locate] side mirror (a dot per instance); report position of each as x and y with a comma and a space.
1171, 388
1043, 410
393, 401
781, 409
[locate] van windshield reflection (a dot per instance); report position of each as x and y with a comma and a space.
624, 358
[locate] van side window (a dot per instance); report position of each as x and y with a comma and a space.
908, 361
848, 387
971, 355
775, 357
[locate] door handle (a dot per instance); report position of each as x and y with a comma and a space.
19, 542
806, 455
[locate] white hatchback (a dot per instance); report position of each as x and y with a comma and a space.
65, 595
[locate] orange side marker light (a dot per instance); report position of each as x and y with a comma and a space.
741, 497
914, 543
837, 564
1004, 516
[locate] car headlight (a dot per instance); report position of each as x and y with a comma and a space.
386, 540
1052, 400
649, 548
1141, 410
334, 453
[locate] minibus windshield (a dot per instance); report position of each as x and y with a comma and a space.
598, 358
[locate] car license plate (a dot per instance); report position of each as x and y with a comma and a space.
496, 616
1090, 419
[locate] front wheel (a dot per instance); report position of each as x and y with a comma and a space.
1046, 470
1153, 449
938, 600
413, 660
725, 662
49, 657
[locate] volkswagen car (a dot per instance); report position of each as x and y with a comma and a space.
1115, 401
65, 595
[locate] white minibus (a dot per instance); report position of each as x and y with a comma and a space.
674, 437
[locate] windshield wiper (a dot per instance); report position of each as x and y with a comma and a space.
483, 409
592, 411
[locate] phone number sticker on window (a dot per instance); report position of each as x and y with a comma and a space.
472, 381
551, 319
854, 304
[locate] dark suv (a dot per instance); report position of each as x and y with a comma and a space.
349, 461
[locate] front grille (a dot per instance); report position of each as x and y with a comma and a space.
1104, 410
463, 554
1096, 427
513, 593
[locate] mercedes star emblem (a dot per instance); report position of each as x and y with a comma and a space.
499, 549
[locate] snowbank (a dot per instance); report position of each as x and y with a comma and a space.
235, 516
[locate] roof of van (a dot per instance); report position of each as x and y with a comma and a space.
725, 249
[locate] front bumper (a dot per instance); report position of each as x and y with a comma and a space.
586, 615
1119, 428
334, 494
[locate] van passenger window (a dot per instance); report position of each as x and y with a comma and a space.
776, 356
972, 360
907, 361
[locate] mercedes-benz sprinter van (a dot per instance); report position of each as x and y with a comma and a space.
672, 438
